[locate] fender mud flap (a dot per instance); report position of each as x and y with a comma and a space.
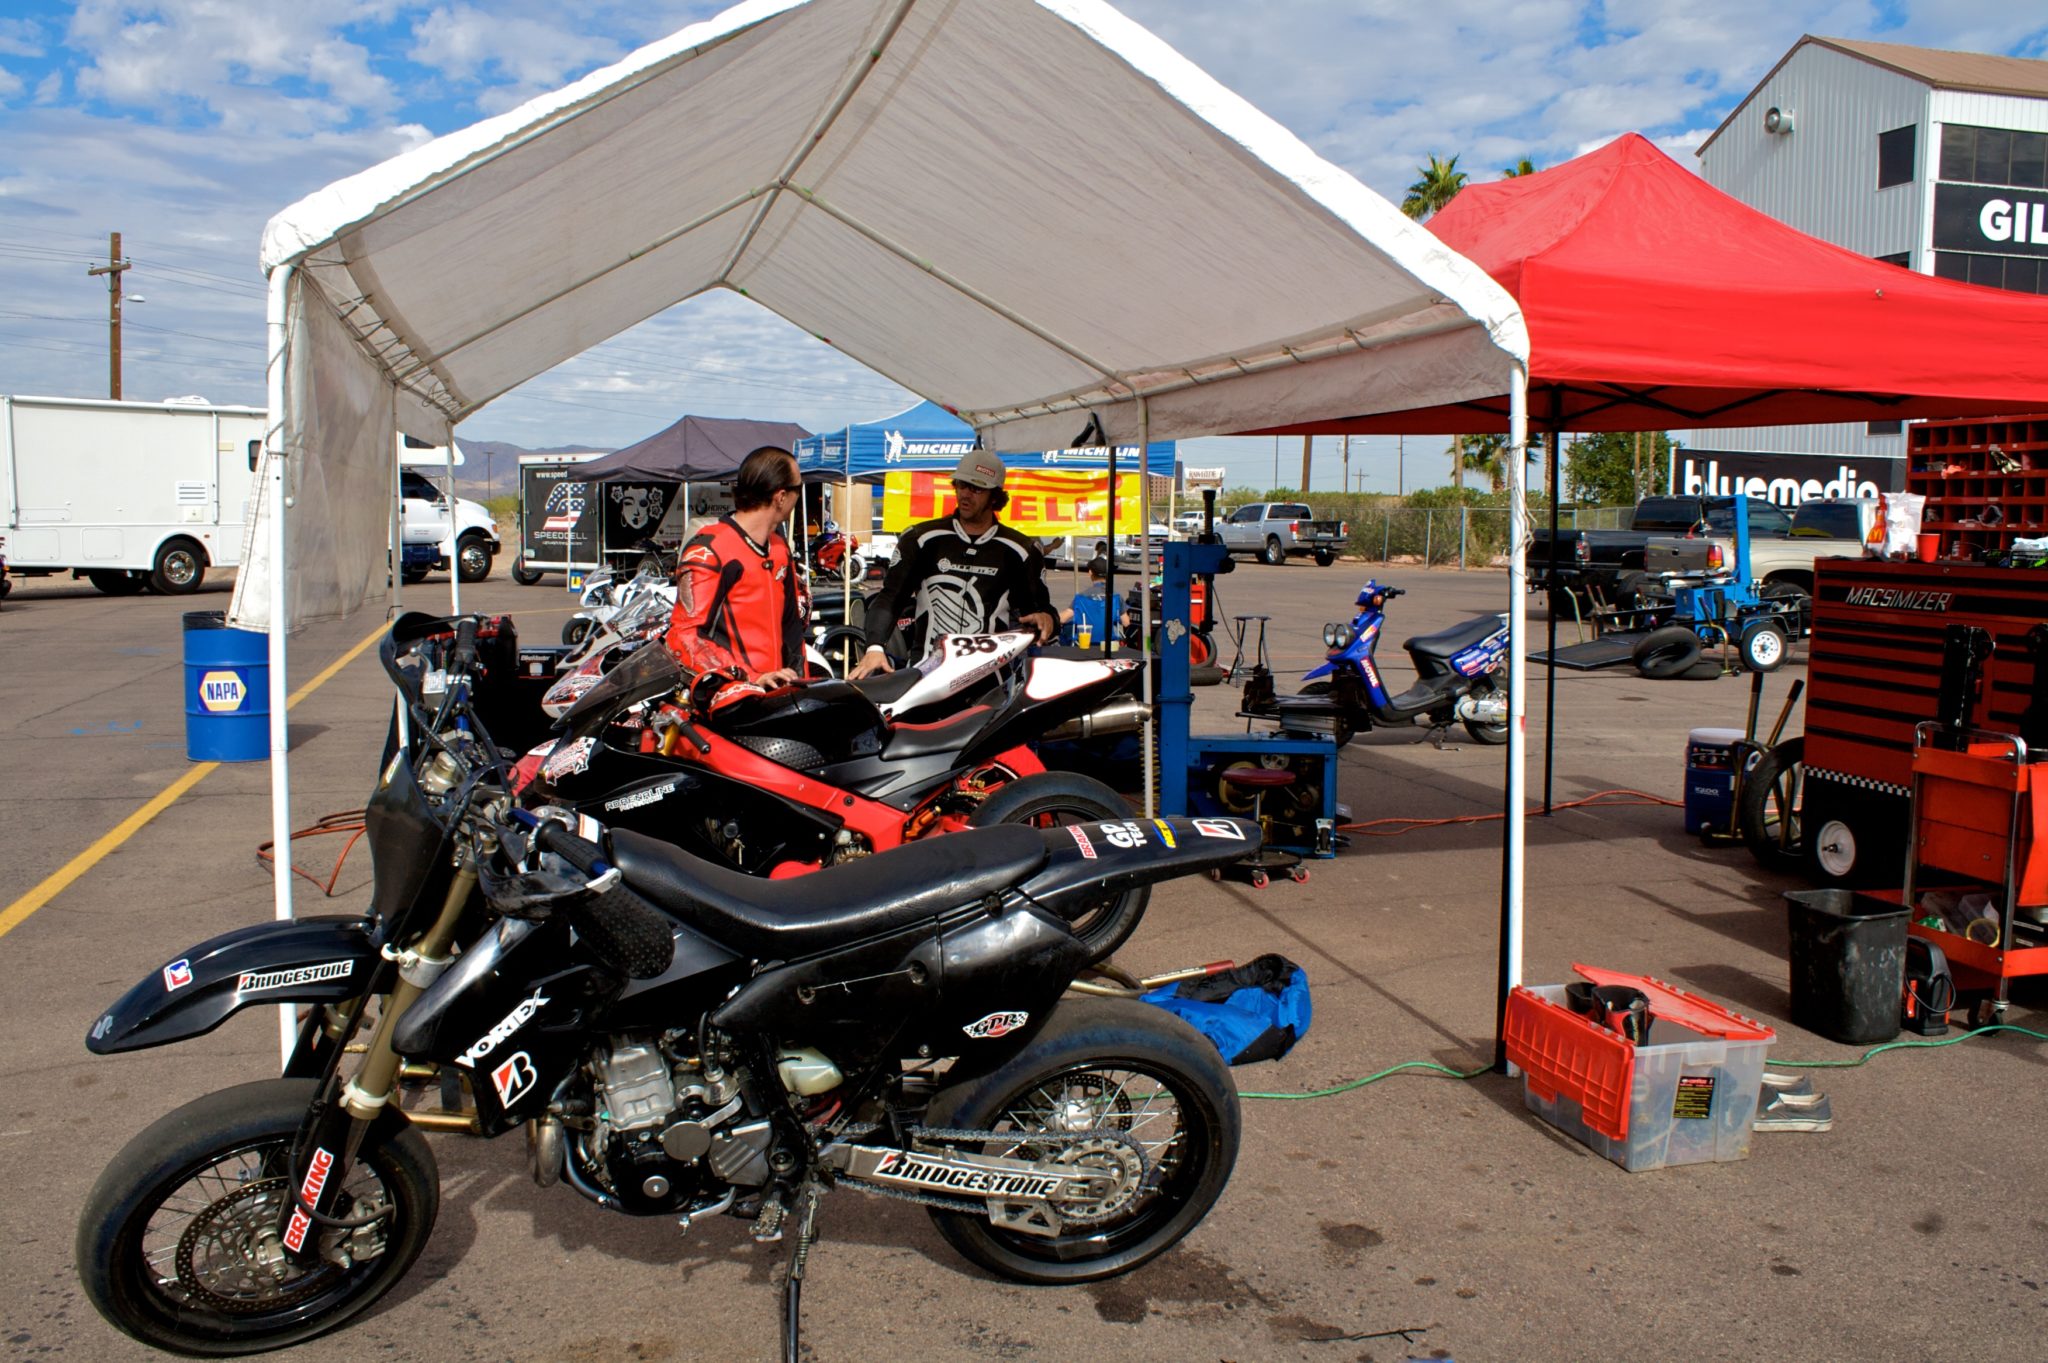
309, 960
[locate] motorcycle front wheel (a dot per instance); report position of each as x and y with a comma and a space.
1114, 1064
1049, 799
177, 1245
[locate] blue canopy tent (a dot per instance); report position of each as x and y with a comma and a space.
928, 436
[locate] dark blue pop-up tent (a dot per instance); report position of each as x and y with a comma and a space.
928, 436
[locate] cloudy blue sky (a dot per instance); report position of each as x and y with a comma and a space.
185, 124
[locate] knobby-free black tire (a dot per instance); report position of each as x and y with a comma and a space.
1273, 555
1121, 1064
1667, 652
523, 575
1325, 557
412, 577
576, 629
1769, 815
179, 568
251, 1126
1764, 646
116, 581
1049, 798
843, 646
1345, 730
473, 558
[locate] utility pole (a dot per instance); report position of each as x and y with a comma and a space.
1346, 484
112, 270
1400, 466
1307, 444
1276, 463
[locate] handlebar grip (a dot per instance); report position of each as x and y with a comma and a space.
585, 855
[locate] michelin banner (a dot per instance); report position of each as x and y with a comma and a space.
1043, 503
1786, 479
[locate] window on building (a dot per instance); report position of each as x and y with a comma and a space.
1900, 258
1883, 428
1895, 156
1993, 156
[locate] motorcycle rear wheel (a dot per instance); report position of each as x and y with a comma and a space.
1113, 1063
1048, 799
1492, 735
164, 1239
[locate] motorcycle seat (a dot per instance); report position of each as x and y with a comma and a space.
781, 920
1446, 642
922, 740
888, 686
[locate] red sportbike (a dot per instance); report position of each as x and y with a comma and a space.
816, 774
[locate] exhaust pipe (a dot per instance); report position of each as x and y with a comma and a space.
1124, 717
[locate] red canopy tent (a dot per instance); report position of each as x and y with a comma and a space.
1656, 301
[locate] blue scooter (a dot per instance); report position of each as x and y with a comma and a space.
1458, 671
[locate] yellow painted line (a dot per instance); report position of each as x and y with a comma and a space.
59, 880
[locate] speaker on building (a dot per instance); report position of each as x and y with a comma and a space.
1777, 121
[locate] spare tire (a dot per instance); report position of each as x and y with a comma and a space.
1667, 652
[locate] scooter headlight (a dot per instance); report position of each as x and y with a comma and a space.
1336, 636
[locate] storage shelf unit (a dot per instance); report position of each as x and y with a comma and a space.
1974, 471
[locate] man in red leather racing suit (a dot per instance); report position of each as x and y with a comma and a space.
740, 608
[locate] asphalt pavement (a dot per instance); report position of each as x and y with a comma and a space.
1421, 1216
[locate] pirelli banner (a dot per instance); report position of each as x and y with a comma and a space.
1043, 502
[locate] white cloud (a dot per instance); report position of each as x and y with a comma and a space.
10, 84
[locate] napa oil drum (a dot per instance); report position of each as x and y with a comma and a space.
227, 690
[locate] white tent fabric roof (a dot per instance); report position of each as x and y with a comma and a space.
1017, 208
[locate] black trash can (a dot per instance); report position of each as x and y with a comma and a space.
1848, 964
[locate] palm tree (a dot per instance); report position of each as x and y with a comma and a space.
1436, 184
1520, 168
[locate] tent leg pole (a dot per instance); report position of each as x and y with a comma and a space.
454, 538
1145, 600
1550, 656
280, 626
1512, 844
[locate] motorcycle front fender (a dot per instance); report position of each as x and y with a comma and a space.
1322, 669
309, 960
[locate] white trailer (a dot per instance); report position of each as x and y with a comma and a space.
125, 494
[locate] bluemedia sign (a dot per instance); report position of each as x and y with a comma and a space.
1786, 479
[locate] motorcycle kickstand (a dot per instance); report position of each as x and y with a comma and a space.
793, 1282
1438, 733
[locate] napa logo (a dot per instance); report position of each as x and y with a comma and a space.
222, 692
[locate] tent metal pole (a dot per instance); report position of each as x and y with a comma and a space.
280, 626
1512, 838
1145, 600
454, 539
1550, 645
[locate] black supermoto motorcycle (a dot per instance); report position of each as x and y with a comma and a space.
674, 1039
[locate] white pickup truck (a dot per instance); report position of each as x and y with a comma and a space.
430, 541
1276, 531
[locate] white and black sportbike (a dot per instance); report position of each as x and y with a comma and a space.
673, 1038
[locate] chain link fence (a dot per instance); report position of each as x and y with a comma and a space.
1462, 537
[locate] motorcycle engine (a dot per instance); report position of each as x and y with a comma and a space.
666, 1127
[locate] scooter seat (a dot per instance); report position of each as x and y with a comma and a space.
906, 741
1447, 642
782, 920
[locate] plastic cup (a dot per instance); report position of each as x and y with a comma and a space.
1929, 547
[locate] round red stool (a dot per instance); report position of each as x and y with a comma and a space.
1257, 868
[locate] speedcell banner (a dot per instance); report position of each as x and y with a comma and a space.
1042, 503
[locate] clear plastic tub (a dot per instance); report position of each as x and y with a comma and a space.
1688, 1095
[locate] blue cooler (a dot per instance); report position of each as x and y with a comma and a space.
227, 691
1710, 780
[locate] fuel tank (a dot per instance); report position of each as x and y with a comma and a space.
806, 727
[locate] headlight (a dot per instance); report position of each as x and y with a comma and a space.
1336, 636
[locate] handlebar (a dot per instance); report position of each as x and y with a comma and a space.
1391, 592
462, 658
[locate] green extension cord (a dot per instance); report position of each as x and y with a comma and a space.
1863, 1059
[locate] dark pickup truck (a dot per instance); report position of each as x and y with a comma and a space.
1609, 563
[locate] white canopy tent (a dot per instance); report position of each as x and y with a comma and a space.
1030, 211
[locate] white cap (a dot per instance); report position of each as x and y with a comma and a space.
979, 468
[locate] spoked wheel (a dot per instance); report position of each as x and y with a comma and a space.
178, 1241
1772, 793
1054, 798
1155, 1088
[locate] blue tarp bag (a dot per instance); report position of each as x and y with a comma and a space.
1252, 1012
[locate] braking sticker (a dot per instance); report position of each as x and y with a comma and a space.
641, 797
309, 1194
1126, 835
1219, 828
177, 975
513, 1078
569, 757
1165, 832
907, 1168
995, 1025
1081, 841
305, 974
500, 1034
